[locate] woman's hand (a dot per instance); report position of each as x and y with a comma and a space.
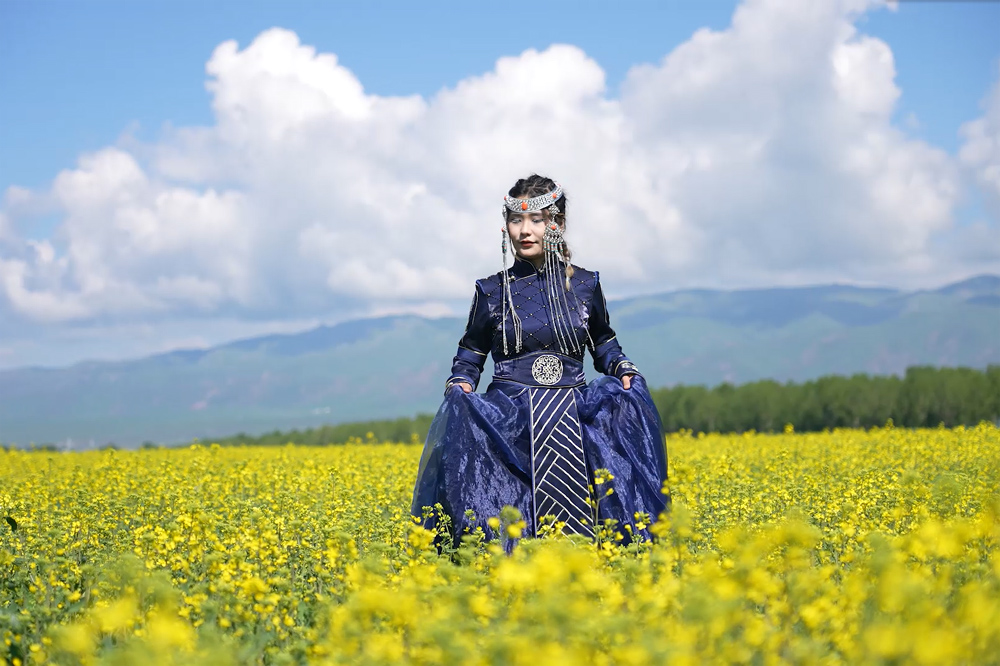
627, 381
466, 386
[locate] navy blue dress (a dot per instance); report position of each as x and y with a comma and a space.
535, 438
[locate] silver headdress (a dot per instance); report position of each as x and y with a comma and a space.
555, 264
532, 205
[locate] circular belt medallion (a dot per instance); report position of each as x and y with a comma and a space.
547, 369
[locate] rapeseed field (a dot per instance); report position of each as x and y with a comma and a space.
849, 547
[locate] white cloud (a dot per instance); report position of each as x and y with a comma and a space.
129, 245
773, 138
760, 154
981, 151
17, 197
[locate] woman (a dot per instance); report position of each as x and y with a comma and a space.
536, 438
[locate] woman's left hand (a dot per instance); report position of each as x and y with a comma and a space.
627, 381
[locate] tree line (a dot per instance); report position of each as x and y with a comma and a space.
925, 397
406, 429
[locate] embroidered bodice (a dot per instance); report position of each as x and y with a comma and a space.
590, 323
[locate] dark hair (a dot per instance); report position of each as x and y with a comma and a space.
535, 185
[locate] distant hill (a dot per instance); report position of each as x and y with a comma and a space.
394, 366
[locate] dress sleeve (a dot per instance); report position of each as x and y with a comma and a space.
608, 355
475, 344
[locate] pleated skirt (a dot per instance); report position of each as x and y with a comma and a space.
537, 449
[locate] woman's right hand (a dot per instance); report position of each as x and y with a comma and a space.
466, 386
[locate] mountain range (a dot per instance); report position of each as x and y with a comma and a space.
396, 366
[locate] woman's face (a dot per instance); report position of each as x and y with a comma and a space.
526, 231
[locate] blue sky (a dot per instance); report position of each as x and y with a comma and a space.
111, 97
78, 74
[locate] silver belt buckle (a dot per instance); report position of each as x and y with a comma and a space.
547, 369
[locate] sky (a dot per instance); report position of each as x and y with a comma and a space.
180, 174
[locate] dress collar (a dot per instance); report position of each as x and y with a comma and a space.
522, 268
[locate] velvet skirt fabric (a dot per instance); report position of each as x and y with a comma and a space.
478, 455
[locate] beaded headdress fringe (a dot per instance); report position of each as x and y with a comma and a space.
507, 303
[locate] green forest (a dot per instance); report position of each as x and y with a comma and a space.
923, 397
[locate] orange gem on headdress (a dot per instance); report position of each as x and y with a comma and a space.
524, 205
